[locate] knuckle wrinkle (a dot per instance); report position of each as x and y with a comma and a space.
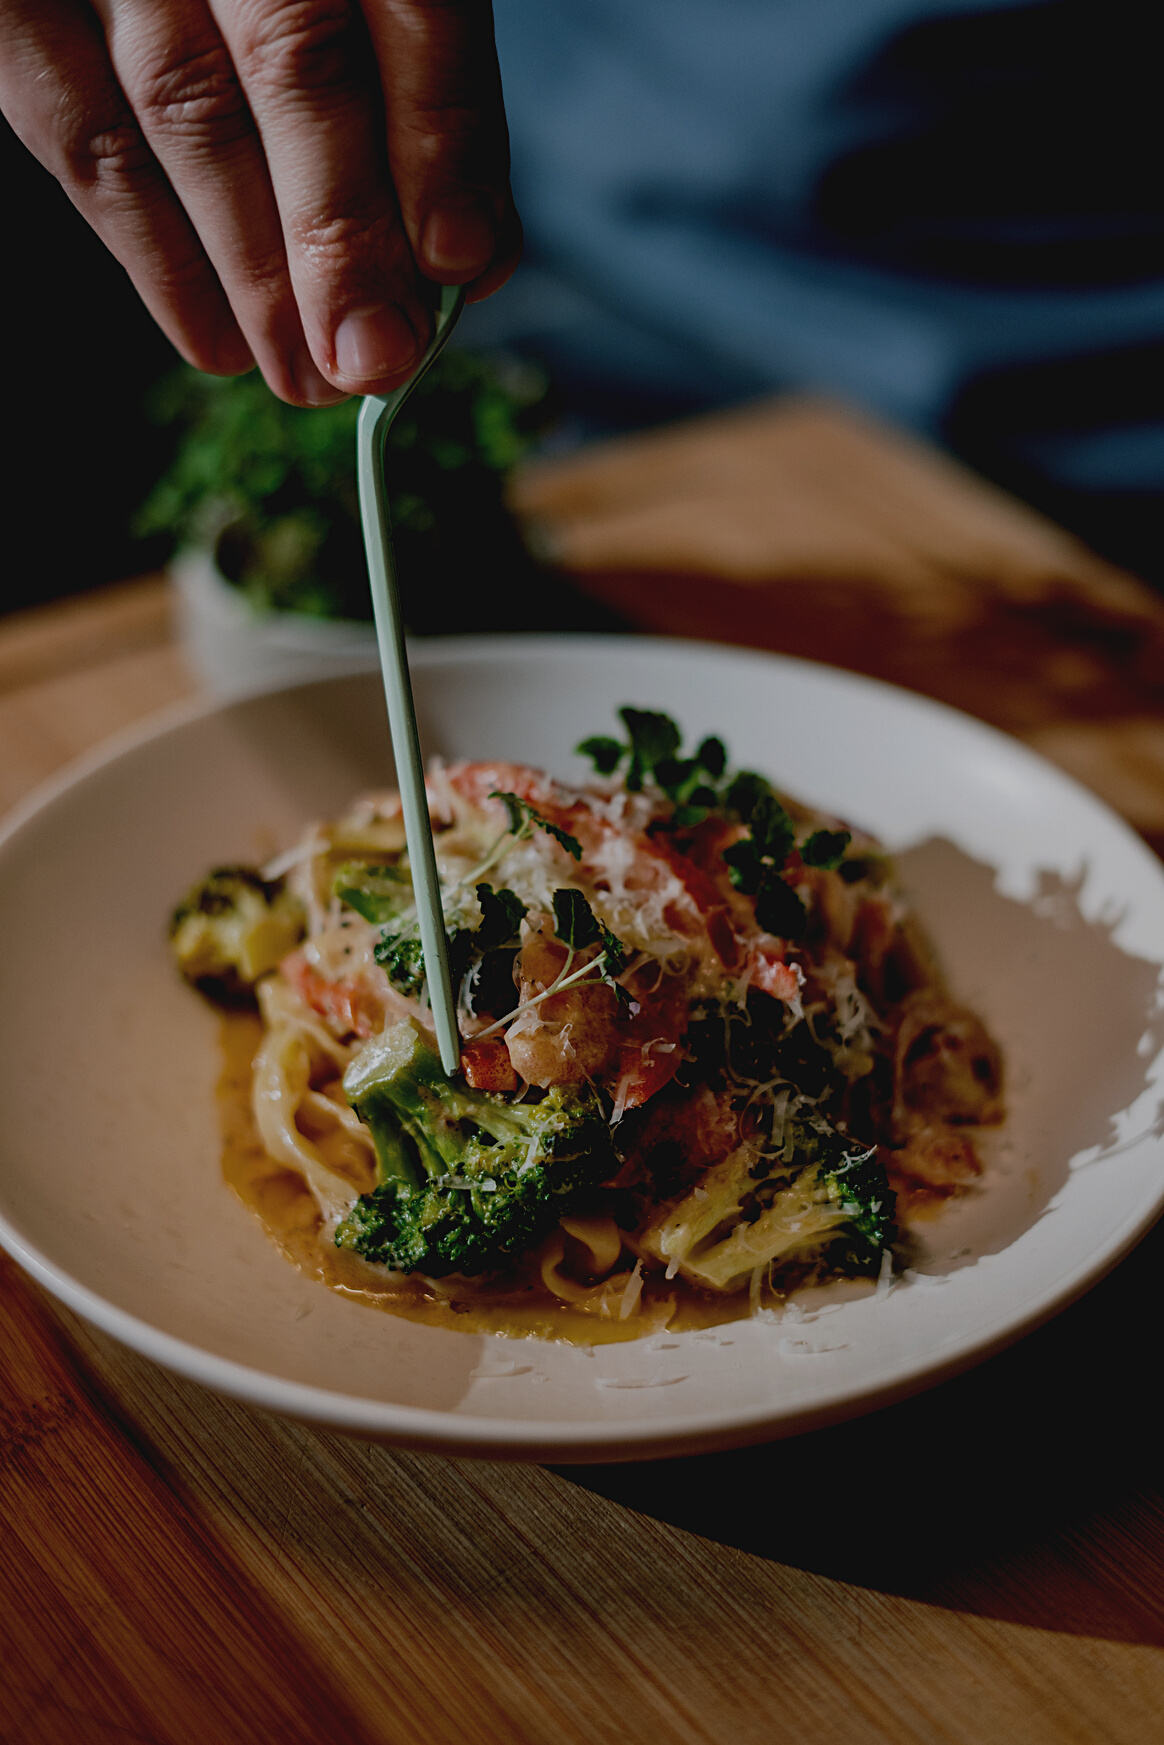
195, 97
302, 46
333, 239
111, 154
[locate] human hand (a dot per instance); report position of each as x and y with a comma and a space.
278, 177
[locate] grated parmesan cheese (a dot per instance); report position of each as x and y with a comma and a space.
632, 1293
885, 1276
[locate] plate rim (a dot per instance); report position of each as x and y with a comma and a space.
567, 1441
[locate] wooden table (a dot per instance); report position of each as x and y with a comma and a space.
982, 1564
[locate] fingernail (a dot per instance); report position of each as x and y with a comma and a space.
373, 343
311, 384
460, 236
232, 355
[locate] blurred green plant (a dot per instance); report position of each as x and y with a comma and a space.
272, 488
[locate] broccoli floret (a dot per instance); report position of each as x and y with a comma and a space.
466, 1180
816, 1197
231, 929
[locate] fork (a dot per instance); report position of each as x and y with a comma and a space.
376, 417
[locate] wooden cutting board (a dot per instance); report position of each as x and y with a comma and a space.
801, 526
982, 1564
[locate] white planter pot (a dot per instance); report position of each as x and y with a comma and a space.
236, 651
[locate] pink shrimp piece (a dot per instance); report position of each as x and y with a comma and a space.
772, 975
350, 1007
570, 1036
705, 848
649, 1055
475, 782
709, 903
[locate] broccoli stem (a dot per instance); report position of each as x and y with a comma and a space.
399, 1076
396, 1162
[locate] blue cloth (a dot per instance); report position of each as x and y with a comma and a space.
885, 199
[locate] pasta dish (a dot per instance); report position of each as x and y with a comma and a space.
707, 1054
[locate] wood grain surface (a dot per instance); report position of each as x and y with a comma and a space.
980, 1564
803, 527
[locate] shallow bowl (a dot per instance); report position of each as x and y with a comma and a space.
1047, 911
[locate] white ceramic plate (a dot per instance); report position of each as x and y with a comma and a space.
1048, 912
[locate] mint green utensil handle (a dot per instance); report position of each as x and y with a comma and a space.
376, 415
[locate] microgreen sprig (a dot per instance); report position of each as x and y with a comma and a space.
523, 820
651, 751
578, 927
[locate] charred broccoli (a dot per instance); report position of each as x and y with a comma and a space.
231, 929
467, 1181
812, 1196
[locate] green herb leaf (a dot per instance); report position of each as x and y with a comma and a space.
686, 817
520, 810
576, 925
654, 737
516, 810
825, 848
605, 753
502, 913
745, 868
772, 829
745, 790
623, 996
712, 756
673, 773
778, 908
575, 922
570, 843
617, 954
653, 750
